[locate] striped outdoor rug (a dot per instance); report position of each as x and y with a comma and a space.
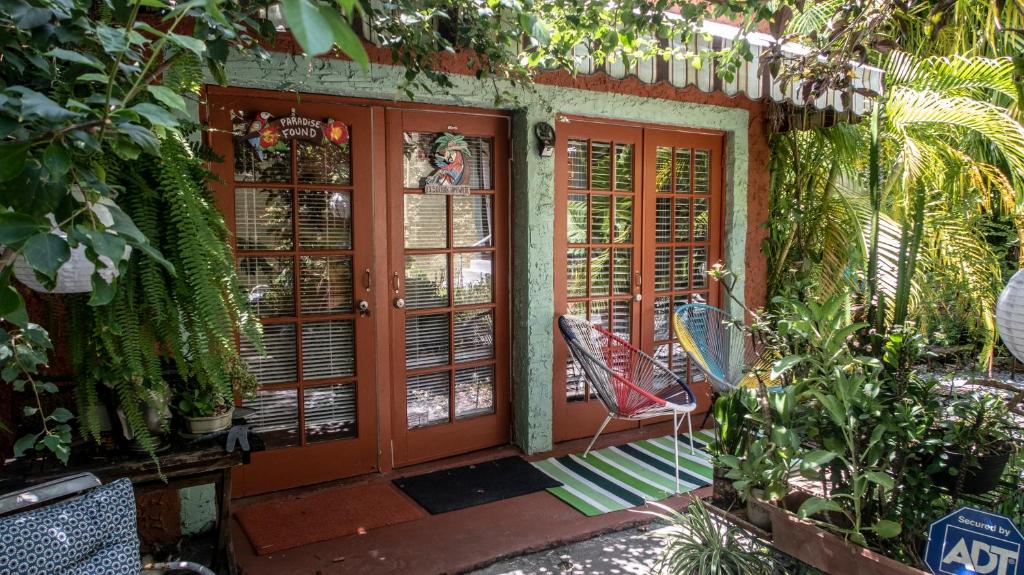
629, 475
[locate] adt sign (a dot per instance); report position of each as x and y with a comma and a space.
969, 542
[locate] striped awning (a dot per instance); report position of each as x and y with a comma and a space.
748, 79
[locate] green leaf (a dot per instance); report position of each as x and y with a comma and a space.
155, 114
816, 505
12, 306
346, 39
62, 415
783, 365
102, 292
886, 528
194, 45
48, 387
307, 23
56, 159
818, 457
15, 228
24, 443
58, 447
76, 57
34, 104
29, 411
92, 77
141, 136
883, 479
168, 97
12, 160
46, 252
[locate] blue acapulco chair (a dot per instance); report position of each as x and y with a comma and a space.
725, 352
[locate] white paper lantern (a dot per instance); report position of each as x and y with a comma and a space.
1010, 315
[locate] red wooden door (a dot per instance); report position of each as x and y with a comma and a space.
638, 221
300, 215
448, 286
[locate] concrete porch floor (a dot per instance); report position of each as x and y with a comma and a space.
454, 542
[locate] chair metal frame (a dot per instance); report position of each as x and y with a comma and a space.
629, 383
72, 486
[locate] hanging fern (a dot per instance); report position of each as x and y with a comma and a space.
189, 317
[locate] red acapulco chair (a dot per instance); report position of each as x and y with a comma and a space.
631, 384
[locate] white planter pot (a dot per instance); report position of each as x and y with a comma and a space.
1010, 315
214, 423
75, 276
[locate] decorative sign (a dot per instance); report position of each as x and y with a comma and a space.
270, 135
450, 153
969, 542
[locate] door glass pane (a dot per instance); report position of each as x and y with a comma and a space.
426, 221
682, 170
426, 399
601, 166
682, 219
474, 391
474, 335
325, 220
328, 349
599, 272
578, 164
600, 223
623, 220
621, 321
329, 412
276, 417
682, 268
623, 271
426, 340
624, 167
263, 219
471, 221
700, 219
254, 161
700, 267
268, 285
278, 365
426, 281
578, 217
662, 267
663, 169
465, 159
662, 318
599, 313
472, 277
577, 271
326, 284
701, 171
323, 163
663, 220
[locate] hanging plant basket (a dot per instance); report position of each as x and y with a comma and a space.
75, 276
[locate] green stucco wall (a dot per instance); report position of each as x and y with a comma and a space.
198, 508
533, 199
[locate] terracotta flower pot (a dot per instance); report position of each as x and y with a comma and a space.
824, 550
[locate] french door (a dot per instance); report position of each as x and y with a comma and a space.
448, 285
384, 308
638, 222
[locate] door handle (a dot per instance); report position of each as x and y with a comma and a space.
367, 279
396, 282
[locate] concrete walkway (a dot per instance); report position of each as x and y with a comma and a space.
633, 551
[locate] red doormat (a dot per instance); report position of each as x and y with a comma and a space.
326, 514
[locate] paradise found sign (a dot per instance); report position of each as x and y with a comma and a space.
450, 154
268, 134
970, 541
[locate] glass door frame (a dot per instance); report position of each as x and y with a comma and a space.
580, 419
309, 462
410, 446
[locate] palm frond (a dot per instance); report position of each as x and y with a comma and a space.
947, 75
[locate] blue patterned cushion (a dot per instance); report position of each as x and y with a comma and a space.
94, 534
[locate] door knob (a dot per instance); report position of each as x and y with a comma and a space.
399, 302
364, 307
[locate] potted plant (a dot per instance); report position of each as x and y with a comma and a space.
978, 433
204, 410
758, 477
731, 437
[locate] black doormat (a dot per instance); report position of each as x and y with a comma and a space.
461, 487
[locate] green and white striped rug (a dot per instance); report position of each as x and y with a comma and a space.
625, 476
